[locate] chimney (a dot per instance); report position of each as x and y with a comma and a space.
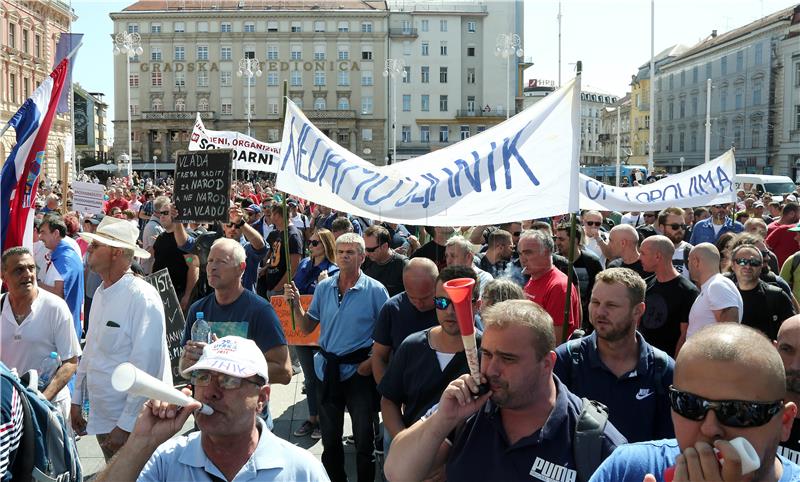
713, 33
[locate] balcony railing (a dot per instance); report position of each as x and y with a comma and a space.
481, 113
403, 32
175, 115
330, 114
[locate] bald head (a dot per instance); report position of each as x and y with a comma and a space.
419, 269
623, 239
419, 281
738, 345
703, 262
625, 232
790, 326
661, 245
788, 345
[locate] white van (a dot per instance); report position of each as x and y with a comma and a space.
761, 183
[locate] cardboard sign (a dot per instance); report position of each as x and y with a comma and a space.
174, 318
202, 186
294, 336
87, 197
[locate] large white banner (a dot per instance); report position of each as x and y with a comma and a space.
704, 185
524, 168
249, 154
87, 197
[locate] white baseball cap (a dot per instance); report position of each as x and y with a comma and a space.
232, 355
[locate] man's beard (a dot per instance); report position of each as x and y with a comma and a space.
793, 381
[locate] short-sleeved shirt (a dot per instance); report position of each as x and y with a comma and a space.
634, 392
345, 326
253, 256
389, 274
765, 308
255, 318
276, 260
781, 241
481, 450
274, 459
307, 274
667, 305
414, 380
167, 255
434, 252
66, 265
635, 266
717, 293
630, 463
398, 318
550, 292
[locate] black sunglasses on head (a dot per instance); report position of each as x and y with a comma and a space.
732, 413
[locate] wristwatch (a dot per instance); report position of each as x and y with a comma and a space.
240, 223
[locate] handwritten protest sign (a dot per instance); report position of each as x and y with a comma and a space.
174, 317
202, 186
294, 336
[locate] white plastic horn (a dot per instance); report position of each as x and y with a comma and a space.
128, 378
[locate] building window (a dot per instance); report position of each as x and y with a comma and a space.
202, 26
344, 26
694, 105
296, 78
226, 108
155, 54
272, 52
405, 134
470, 103
425, 134
757, 92
180, 105
470, 51
272, 26
133, 80
319, 52
671, 110
407, 74
425, 103
25, 45
133, 28
682, 108
464, 132
202, 78
298, 101
708, 70
180, 80
155, 28
344, 78
366, 134
755, 137
797, 117
722, 136
179, 27
249, 53
366, 104
738, 96
155, 79
319, 77
366, 55
366, 27
344, 53
695, 74
470, 75
406, 47
134, 110
740, 60
343, 104
681, 142
444, 134
202, 105
442, 75
272, 106
343, 139
472, 26
272, 134
723, 65
406, 26
156, 104
425, 49
406, 103
319, 26
249, 27
669, 142
225, 78
443, 48
319, 103
180, 53
202, 52
37, 45
272, 79
225, 27
366, 78
297, 52
424, 25
443, 103
759, 54
693, 141
225, 53
443, 25
297, 27
425, 74
723, 100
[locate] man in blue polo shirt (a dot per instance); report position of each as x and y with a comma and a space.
615, 365
523, 427
345, 306
732, 370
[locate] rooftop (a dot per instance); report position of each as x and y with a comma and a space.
289, 5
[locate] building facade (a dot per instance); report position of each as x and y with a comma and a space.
330, 56
610, 129
785, 148
91, 145
593, 103
746, 70
452, 83
29, 33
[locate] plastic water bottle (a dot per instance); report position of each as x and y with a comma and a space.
201, 330
85, 397
48, 369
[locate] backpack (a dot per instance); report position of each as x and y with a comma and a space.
795, 264
46, 450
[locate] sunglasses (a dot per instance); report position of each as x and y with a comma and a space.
372, 249
651, 215
202, 378
732, 413
676, 226
163, 213
595, 224
755, 263
314, 242
441, 303
516, 233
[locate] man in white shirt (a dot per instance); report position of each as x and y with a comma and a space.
719, 300
128, 325
36, 323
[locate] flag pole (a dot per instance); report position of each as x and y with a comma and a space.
286, 254
570, 258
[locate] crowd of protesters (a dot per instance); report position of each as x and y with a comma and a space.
646, 321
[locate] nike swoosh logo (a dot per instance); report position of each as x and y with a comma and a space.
642, 396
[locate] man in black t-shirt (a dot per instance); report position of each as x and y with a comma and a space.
434, 249
182, 270
272, 275
383, 263
623, 243
668, 298
585, 263
788, 345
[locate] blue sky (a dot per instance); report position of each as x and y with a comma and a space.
611, 37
